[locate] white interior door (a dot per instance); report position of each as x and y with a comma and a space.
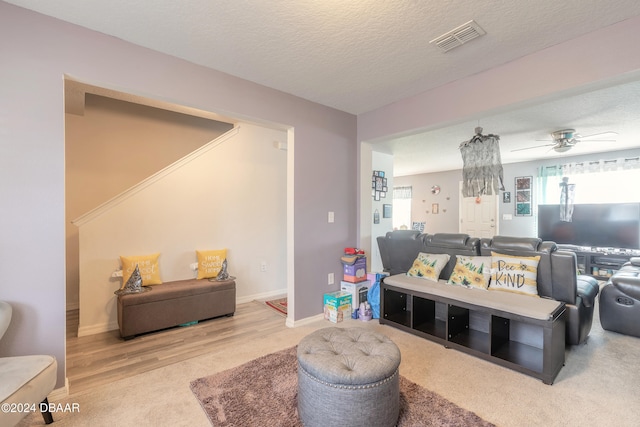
478, 217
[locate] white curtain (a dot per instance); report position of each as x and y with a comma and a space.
402, 207
612, 180
402, 192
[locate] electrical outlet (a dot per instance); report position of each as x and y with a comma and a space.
263, 266
330, 279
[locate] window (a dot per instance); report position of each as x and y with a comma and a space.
401, 208
605, 181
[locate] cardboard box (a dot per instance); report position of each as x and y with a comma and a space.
358, 293
337, 299
357, 272
337, 306
335, 316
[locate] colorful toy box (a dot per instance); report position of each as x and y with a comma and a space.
337, 306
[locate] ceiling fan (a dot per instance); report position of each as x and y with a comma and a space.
564, 140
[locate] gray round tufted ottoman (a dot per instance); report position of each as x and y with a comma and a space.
348, 376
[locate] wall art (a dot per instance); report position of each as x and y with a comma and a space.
378, 185
524, 196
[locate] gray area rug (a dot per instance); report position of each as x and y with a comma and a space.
263, 392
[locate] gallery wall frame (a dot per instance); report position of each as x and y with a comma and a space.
386, 211
378, 185
524, 196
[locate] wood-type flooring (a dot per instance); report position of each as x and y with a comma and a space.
99, 359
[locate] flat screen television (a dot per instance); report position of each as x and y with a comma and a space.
607, 225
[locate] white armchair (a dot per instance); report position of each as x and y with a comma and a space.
24, 380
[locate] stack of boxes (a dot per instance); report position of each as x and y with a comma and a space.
354, 288
354, 279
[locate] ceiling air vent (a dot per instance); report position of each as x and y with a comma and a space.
458, 36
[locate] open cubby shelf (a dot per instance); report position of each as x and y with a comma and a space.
530, 346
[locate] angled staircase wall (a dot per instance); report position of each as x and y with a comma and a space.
230, 193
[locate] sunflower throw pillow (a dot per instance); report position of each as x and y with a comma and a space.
428, 266
472, 271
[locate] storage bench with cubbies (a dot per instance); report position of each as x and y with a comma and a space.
518, 332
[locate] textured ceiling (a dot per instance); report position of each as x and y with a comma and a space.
616, 109
356, 55
352, 55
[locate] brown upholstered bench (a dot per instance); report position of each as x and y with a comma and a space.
175, 303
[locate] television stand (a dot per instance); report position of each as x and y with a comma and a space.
600, 263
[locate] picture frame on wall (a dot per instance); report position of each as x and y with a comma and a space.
524, 196
378, 185
386, 211
506, 197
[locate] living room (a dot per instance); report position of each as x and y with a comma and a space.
40, 50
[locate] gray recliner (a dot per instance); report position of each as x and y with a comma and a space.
620, 300
24, 380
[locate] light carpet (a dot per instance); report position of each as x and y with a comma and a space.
263, 392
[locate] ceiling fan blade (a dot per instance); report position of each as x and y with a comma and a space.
535, 146
579, 136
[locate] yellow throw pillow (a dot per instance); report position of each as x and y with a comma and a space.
428, 266
472, 271
148, 266
514, 274
210, 262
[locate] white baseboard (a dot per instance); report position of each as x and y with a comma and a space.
302, 322
60, 393
260, 296
96, 329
